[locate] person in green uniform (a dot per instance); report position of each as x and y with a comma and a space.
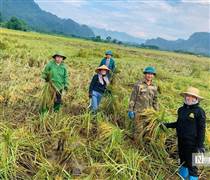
109, 62
144, 96
55, 73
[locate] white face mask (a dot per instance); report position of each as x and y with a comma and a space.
103, 72
190, 101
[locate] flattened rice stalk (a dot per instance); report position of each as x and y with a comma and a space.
48, 95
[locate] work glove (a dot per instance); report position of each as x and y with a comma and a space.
201, 150
131, 114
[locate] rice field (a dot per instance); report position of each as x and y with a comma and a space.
74, 144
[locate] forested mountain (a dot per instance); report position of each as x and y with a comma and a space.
198, 43
40, 20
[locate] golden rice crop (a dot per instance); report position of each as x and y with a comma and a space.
73, 143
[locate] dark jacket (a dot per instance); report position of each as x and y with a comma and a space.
95, 85
111, 65
190, 125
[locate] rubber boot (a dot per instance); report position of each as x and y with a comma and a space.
183, 172
56, 107
193, 178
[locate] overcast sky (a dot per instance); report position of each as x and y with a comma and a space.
170, 19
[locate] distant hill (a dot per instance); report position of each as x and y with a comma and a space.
121, 36
198, 43
40, 20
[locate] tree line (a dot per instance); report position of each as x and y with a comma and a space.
18, 24
14, 23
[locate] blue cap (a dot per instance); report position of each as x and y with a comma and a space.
150, 69
108, 52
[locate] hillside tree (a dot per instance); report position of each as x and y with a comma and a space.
16, 24
108, 38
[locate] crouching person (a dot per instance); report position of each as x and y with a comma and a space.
190, 128
98, 87
56, 75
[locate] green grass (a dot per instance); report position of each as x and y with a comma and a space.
52, 147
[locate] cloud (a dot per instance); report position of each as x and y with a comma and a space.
67, 2
202, 2
75, 3
148, 19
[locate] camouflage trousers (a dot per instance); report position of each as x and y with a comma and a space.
139, 128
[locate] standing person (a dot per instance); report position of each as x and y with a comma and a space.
144, 96
109, 62
190, 128
55, 73
98, 86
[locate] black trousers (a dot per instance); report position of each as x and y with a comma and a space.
58, 97
186, 148
58, 101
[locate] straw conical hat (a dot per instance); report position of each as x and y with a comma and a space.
103, 67
193, 92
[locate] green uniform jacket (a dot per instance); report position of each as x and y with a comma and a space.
143, 97
111, 65
58, 74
